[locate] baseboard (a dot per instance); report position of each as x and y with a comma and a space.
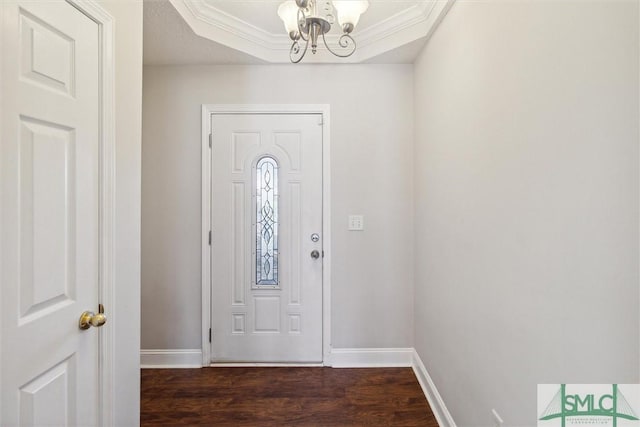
371, 357
176, 358
340, 358
264, 365
436, 403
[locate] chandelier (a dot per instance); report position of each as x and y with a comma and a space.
308, 20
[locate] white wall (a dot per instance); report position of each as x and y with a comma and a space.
128, 98
371, 151
526, 193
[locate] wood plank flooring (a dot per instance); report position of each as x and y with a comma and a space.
283, 397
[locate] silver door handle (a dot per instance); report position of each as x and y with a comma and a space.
315, 254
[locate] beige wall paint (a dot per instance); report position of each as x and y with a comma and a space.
128, 99
526, 193
371, 174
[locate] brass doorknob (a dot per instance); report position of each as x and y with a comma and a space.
89, 319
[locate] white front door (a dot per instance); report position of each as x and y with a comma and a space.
50, 226
266, 220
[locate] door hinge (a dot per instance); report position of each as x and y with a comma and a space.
209, 334
209, 237
210, 139
322, 254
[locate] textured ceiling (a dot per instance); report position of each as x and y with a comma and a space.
168, 39
392, 31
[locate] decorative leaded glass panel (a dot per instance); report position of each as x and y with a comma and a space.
267, 222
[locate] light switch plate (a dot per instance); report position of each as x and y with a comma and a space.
356, 222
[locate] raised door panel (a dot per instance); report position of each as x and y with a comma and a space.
49, 399
47, 232
47, 54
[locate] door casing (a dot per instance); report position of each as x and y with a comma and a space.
106, 197
207, 111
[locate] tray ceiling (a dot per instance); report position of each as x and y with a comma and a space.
250, 31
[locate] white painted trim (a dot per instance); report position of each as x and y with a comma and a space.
107, 197
205, 201
414, 22
175, 358
229, 26
371, 357
207, 111
436, 403
326, 234
2, 61
266, 365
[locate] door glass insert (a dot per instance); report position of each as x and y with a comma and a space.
267, 222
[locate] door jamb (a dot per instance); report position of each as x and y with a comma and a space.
207, 111
2, 61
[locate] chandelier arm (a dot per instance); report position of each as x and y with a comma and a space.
295, 50
346, 42
301, 27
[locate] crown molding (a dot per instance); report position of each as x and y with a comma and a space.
417, 21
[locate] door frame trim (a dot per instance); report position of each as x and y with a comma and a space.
207, 111
107, 194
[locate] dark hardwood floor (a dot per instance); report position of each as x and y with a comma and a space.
283, 397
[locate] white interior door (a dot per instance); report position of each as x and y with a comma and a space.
266, 254
50, 227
